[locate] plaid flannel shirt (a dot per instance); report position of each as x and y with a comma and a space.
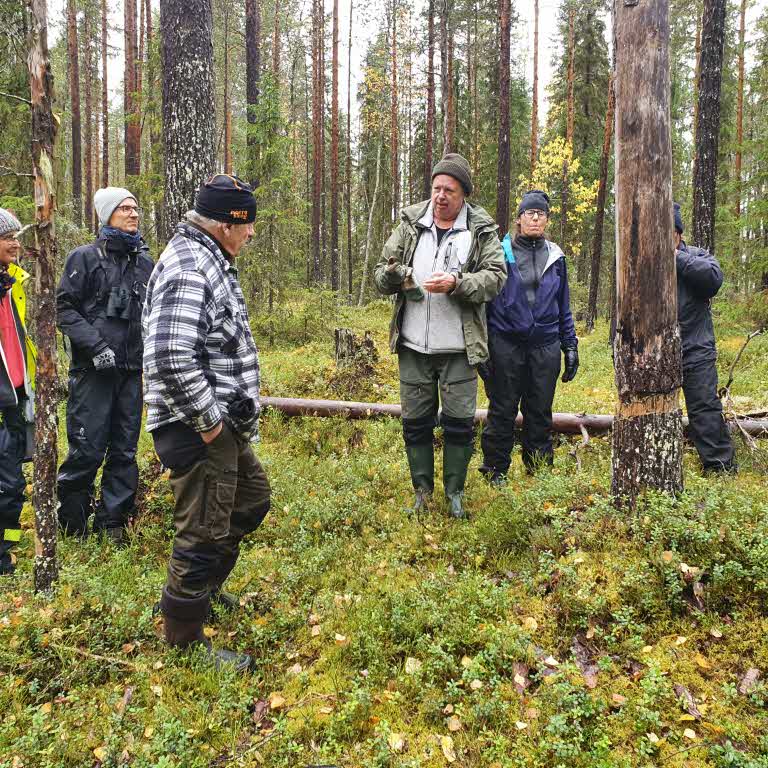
198, 346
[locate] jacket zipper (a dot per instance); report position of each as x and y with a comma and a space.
440, 249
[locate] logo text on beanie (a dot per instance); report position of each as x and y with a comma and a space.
239, 214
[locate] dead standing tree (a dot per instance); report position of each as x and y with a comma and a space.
647, 434
186, 30
44, 128
73, 61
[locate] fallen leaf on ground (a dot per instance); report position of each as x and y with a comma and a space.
396, 742
520, 725
466, 662
689, 734
100, 753
210, 632
520, 679
454, 724
157, 690
448, 709
316, 630
652, 737
476, 685
584, 661
530, 624
296, 669
551, 662
340, 639
446, 744
618, 700
716, 633
412, 666
748, 682
276, 701
679, 640
687, 700
702, 662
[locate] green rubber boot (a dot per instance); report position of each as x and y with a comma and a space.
421, 462
455, 463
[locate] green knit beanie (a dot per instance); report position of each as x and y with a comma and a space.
455, 165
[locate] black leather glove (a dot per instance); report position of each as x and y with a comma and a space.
242, 413
571, 363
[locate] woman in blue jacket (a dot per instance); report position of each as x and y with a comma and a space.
529, 323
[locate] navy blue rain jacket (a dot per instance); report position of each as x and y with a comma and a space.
549, 319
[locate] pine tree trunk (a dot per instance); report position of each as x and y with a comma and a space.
740, 112
348, 175
89, 63
44, 126
252, 77
74, 93
535, 95
335, 149
446, 80
429, 128
186, 30
696, 83
708, 124
394, 128
317, 141
647, 431
130, 104
276, 46
571, 68
104, 97
503, 167
227, 105
369, 230
597, 242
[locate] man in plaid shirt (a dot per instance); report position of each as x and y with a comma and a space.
201, 379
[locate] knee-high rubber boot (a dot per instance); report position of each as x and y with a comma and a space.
455, 463
183, 620
421, 462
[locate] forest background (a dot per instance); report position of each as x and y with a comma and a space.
554, 629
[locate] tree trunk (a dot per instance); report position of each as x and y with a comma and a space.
708, 124
597, 242
369, 231
571, 68
335, 149
104, 98
429, 128
740, 112
647, 435
276, 45
74, 94
348, 178
44, 126
446, 79
503, 167
186, 30
130, 104
227, 105
696, 83
535, 96
252, 77
90, 66
317, 141
394, 129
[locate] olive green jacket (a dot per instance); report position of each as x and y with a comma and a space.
484, 275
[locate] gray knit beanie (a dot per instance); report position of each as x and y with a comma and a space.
106, 200
8, 222
455, 165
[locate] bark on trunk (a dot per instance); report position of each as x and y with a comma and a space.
104, 98
708, 124
90, 72
429, 132
73, 58
276, 45
740, 111
535, 95
571, 68
348, 177
369, 231
394, 128
227, 105
317, 141
44, 126
504, 160
446, 84
647, 434
130, 103
252, 77
696, 83
597, 242
188, 103
335, 149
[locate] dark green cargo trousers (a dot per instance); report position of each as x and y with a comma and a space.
220, 498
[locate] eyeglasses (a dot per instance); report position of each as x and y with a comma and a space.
129, 209
530, 214
6, 238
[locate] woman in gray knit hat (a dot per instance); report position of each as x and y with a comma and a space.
442, 263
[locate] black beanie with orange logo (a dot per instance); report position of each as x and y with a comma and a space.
227, 199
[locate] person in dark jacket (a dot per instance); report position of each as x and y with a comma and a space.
99, 301
529, 323
17, 374
699, 278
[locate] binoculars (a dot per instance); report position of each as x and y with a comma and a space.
119, 303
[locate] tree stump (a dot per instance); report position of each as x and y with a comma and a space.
351, 350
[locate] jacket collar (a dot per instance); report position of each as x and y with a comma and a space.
14, 270
476, 218
191, 232
428, 219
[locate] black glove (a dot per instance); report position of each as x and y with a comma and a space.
242, 413
571, 363
395, 272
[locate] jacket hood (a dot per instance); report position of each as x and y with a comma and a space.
14, 270
478, 218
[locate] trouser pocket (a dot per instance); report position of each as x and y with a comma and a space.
218, 502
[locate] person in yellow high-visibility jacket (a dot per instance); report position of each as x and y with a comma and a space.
17, 378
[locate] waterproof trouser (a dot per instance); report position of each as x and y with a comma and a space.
222, 494
12, 447
518, 377
426, 383
706, 426
103, 419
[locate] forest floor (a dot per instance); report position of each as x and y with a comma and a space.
551, 630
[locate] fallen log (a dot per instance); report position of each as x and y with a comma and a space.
565, 423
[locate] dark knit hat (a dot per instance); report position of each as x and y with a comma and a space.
534, 199
455, 165
678, 218
227, 199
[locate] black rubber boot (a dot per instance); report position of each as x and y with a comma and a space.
421, 462
118, 536
6, 561
455, 463
183, 620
